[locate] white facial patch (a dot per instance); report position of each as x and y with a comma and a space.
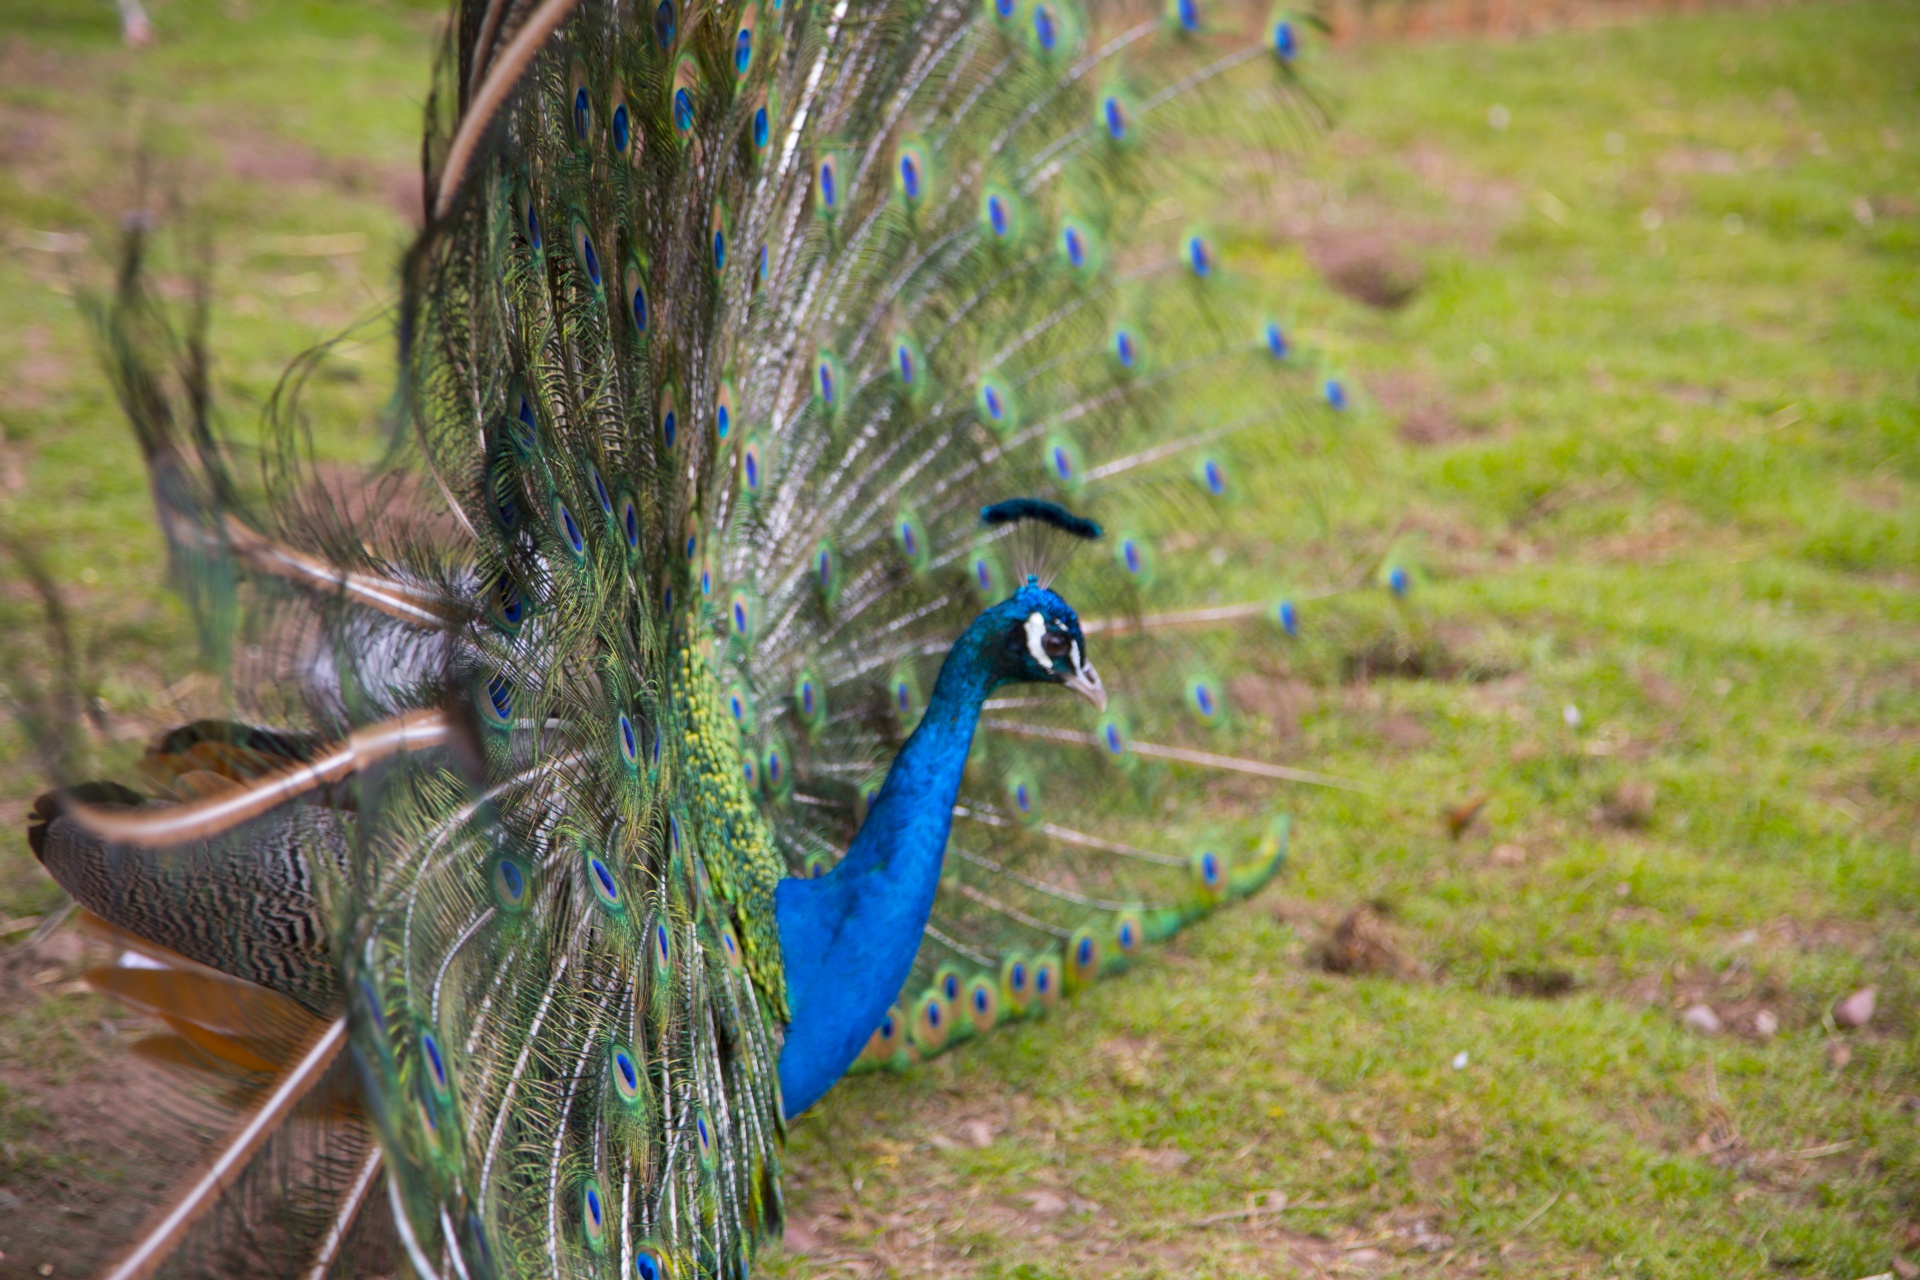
1075, 651
1036, 631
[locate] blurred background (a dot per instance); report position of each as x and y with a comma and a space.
1615, 977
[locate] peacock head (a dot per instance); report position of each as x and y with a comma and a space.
1042, 641
1042, 644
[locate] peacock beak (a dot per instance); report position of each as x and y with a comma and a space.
1086, 683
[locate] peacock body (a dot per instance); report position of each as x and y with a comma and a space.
664, 734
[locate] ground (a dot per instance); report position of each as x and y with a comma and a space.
1634, 316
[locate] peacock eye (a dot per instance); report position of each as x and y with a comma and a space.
1055, 644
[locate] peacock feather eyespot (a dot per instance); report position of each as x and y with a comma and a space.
730, 947
912, 173
810, 699
638, 310
663, 25
827, 176
436, 1065
599, 487
628, 742
996, 211
624, 1072
1286, 45
1134, 555
906, 364
1336, 394
620, 123
985, 575
1185, 15
670, 421
1002, 10
1116, 117
1287, 617
743, 45
495, 700
582, 105
723, 410
683, 109
911, 537
629, 518
1209, 875
1064, 465
583, 247
778, 776
703, 1135
826, 378
1129, 933
1046, 28
530, 221
605, 888
1126, 349
1113, 738
593, 1216
1398, 582
506, 604
1212, 475
816, 866
372, 1000
718, 228
1076, 245
1275, 339
826, 572
1203, 699
650, 1263
741, 612
932, 1021
995, 404
1083, 956
905, 695
762, 128
982, 1003
750, 467
570, 530
1046, 981
1016, 982
522, 426
1199, 255
509, 885
661, 943
946, 980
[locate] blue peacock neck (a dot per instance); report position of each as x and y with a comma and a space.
848, 939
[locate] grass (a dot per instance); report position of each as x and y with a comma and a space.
1649, 428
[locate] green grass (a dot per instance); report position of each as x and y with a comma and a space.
1667, 343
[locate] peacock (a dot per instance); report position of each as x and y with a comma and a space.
791, 391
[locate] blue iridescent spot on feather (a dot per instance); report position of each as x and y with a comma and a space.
1124, 349
742, 51
582, 113
1116, 745
500, 696
660, 941
1130, 555
509, 882
1114, 113
1188, 12
1397, 581
683, 110
435, 1063
762, 130
622, 128
719, 249
663, 24
629, 745
1336, 394
630, 522
603, 881
1276, 342
1285, 43
1288, 617
599, 490
1215, 478
997, 216
1045, 28
829, 183
1200, 256
589, 260
572, 530
910, 176
669, 425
